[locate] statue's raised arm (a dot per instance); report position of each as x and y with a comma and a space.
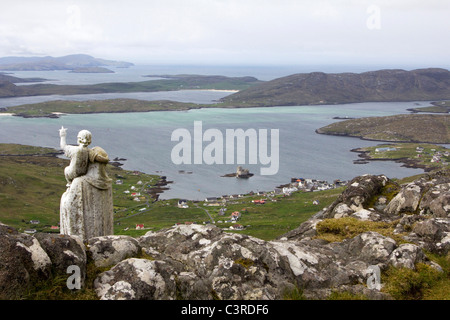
79, 155
62, 135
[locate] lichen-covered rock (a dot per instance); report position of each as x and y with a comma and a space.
407, 256
232, 266
137, 279
407, 200
406, 223
432, 234
109, 250
366, 215
436, 201
64, 251
372, 248
306, 229
23, 262
359, 192
428, 195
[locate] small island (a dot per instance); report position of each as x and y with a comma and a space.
240, 173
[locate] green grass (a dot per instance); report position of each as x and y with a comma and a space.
344, 295
30, 189
271, 220
424, 282
267, 221
440, 289
408, 152
336, 230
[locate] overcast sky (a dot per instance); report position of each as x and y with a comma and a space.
256, 32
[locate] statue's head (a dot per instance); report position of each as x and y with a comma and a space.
84, 138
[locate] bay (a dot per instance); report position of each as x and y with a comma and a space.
144, 139
140, 72
194, 96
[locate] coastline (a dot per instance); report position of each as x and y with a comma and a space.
406, 162
392, 129
375, 140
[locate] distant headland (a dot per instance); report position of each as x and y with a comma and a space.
48, 63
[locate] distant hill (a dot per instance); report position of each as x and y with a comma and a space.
336, 88
70, 62
11, 79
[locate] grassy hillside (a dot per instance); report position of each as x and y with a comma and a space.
397, 128
32, 182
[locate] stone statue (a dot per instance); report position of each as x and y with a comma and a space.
86, 208
79, 155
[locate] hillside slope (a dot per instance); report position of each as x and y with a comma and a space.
337, 88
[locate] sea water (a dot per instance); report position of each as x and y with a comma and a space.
144, 139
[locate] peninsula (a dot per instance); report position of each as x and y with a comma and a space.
436, 107
398, 128
54, 109
187, 82
48, 63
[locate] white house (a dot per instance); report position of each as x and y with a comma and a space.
182, 203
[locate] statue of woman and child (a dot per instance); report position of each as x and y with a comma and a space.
86, 208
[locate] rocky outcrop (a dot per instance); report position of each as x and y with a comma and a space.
359, 192
26, 260
22, 262
429, 195
64, 251
420, 208
204, 262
